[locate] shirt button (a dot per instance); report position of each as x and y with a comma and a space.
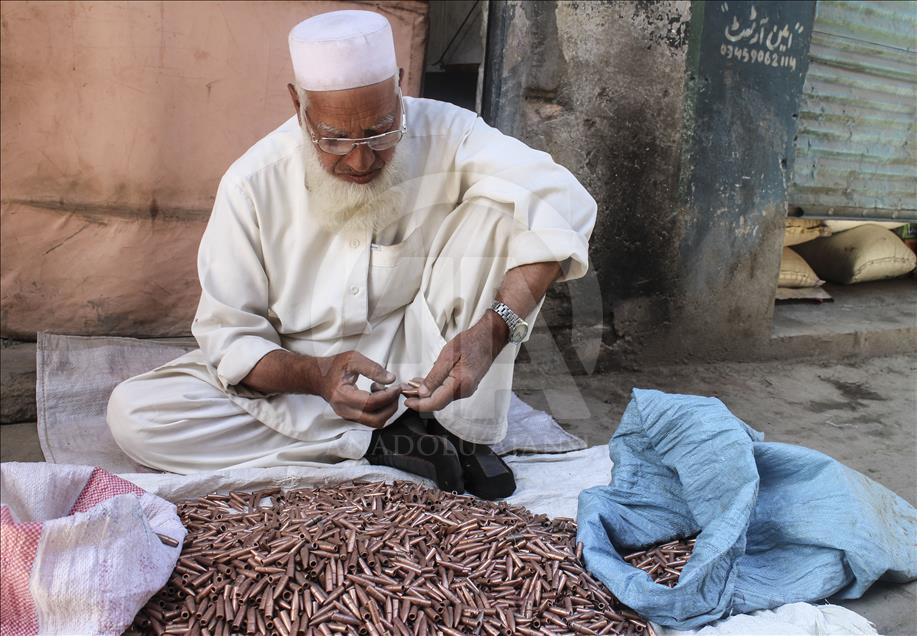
354, 290
355, 243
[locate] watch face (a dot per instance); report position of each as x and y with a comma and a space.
519, 332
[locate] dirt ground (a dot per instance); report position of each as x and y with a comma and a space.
861, 412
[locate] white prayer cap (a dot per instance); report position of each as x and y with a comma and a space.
342, 49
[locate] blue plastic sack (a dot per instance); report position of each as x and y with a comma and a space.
778, 523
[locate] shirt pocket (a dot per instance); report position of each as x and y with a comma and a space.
395, 273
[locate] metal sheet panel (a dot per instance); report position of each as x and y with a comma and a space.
856, 148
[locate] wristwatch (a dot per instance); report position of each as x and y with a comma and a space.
518, 328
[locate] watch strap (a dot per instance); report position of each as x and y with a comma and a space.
508, 315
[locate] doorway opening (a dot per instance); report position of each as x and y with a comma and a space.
455, 52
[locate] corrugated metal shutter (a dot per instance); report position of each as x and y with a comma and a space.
856, 150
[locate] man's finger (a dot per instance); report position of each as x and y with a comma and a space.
350, 395
438, 374
383, 399
447, 392
364, 401
353, 397
379, 418
348, 413
374, 420
372, 370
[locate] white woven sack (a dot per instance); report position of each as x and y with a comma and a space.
798, 231
865, 253
80, 549
795, 272
837, 227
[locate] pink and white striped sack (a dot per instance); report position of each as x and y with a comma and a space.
79, 549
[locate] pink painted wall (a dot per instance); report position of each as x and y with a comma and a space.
118, 120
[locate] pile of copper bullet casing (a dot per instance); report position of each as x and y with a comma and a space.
665, 562
378, 559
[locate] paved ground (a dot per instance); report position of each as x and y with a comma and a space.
868, 308
862, 412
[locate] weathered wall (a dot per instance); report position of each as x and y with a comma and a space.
600, 85
118, 120
745, 76
679, 118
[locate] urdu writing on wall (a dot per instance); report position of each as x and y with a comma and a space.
754, 39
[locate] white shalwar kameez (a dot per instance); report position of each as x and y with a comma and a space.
477, 203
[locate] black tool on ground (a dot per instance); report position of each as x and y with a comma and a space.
486, 475
407, 445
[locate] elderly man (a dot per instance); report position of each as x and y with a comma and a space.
369, 240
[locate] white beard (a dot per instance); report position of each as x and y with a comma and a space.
342, 206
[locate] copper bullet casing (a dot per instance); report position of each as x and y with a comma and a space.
413, 391
167, 540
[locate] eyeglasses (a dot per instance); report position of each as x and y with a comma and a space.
344, 146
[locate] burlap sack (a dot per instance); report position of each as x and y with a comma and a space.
798, 231
795, 272
837, 227
865, 253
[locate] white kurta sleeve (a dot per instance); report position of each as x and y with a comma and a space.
545, 198
231, 325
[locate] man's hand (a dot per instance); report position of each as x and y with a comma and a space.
332, 378
337, 385
461, 364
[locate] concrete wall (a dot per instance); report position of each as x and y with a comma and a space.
600, 85
119, 118
684, 137
745, 75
